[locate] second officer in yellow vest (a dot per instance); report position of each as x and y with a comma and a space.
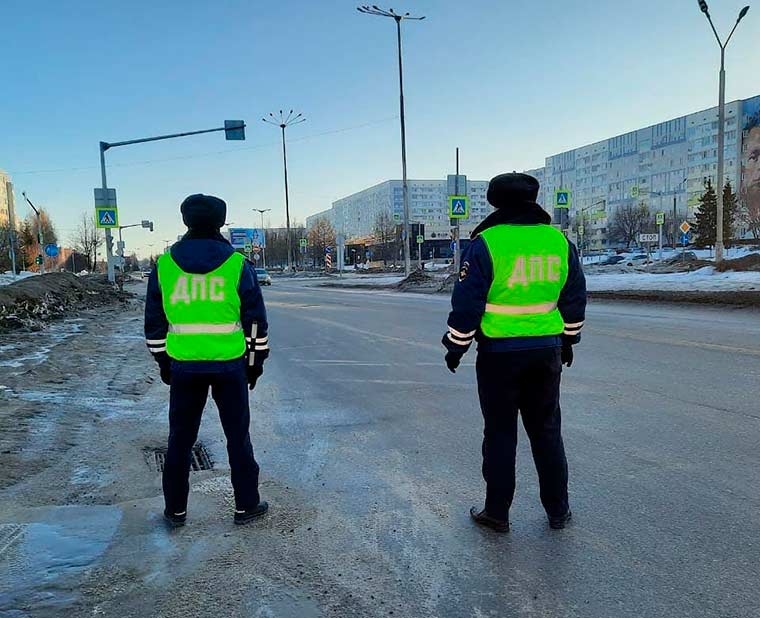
521, 296
206, 326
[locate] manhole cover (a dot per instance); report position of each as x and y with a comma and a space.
200, 460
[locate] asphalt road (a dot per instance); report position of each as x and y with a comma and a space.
370, 455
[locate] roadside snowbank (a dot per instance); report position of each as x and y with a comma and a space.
705, 279
7, 277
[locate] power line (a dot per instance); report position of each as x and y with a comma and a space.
204, 154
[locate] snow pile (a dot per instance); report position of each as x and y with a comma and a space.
33, 300
705, 279
8, 277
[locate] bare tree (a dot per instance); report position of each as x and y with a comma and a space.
87, 239
321, 235
385, 236
750, 212
628, 221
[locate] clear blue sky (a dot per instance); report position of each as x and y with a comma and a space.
508, 81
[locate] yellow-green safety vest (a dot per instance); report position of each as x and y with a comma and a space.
530, 268
203, 311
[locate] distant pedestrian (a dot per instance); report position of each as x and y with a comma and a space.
206, 326
521, 295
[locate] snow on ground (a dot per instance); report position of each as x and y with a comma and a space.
7, 277
702, 280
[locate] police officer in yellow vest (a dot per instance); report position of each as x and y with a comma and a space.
521, 295
206, 326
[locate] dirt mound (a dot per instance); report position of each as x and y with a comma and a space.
30, 302
749, 262
417, 279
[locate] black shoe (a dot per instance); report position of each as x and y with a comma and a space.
483, 519
175, 520
244, 517
557, 523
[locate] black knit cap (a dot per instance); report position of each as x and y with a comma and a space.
511, 190
203, 212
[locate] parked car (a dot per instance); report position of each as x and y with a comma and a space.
263, 276
613, 259
636, 258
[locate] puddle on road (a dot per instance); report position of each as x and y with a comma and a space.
39, 555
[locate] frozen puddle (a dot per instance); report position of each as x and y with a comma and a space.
36, 556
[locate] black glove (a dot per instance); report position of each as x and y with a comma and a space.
567, 354
452, 361
254, 373
166, 373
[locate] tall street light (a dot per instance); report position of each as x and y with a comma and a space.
261, 211
721, 120
284, 121
398, 18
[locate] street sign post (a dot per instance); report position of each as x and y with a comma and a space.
420, 239
660, 219
106, 218
685, 227
648, 237
459, 207
562, 198
635, 192
303, 242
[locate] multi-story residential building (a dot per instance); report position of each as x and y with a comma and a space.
356, 215
664, 166
6, 200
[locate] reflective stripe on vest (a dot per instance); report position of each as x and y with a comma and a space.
530, 268
205, 329
203, 310
521, 309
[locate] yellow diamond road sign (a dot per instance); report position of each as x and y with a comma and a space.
685, 227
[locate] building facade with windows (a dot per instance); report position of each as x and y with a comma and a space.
356, 215
7, 212
664, 166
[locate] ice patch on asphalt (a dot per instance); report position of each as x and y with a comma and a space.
66, 541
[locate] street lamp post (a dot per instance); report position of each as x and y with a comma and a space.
40, 239
261, 211
374, 10
721, 120
285, 121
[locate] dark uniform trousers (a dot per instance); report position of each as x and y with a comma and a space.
187, 398
526, 381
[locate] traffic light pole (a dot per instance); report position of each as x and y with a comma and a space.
457, 242
40, 239
233, 129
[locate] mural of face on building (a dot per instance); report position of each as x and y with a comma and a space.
750, 193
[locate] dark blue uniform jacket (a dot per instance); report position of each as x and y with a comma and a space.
201, 256
468, 300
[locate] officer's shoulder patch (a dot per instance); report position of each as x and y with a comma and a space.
464, 271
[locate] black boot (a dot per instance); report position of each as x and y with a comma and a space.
175, 520
557, 523
244, 517
483, 519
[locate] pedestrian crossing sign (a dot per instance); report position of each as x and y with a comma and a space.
106, 217
459, 207
562, 199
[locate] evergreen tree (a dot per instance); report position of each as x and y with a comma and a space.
730, 214
706, 227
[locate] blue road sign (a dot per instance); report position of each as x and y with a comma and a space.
51, 250
328, 250
684, 239
107, 217
453, 245
562, 199
458, 207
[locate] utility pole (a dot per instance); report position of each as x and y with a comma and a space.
11, 225
458, 244
40, 239
398, 18
285, 121
261, 211
721, 120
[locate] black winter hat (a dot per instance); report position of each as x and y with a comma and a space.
507, 190
203, 212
